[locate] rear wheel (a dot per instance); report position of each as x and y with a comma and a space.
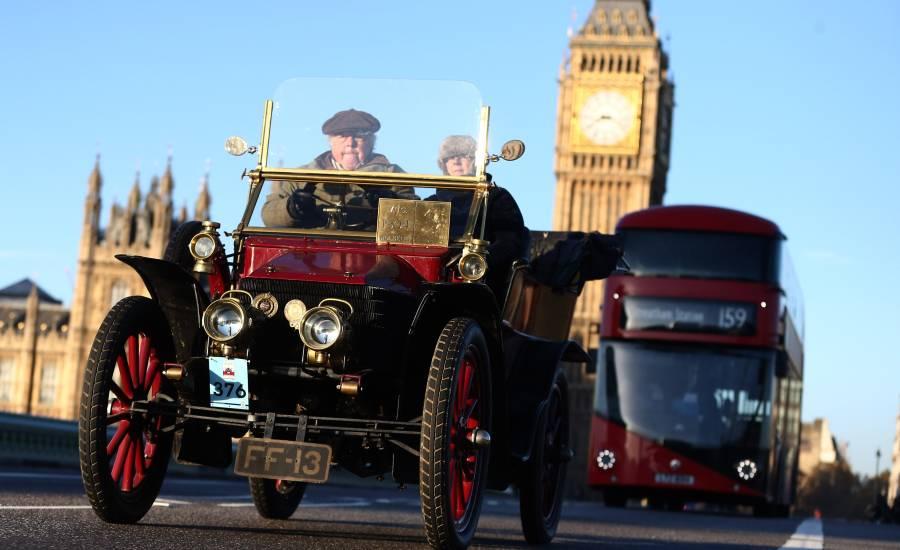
276, 498
124, 455
542, 484
456, 422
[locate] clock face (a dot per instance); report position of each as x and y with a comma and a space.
606, 117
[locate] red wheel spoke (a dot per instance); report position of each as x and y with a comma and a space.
117, 417
132, 346
117, 438
138, 453
149, 451
128, 474
123, 453
119, 392
143, 361
125, 376
152, 372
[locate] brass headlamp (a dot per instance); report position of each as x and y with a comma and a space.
473, 262
203, 247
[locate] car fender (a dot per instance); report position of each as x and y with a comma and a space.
178, 295
532, 364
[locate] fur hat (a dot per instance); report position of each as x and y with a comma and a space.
351, 121
456, 146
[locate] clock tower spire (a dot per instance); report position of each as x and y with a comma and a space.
613, 132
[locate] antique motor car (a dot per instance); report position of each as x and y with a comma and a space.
353, 323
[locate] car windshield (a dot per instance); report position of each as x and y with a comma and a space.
702, 398
338, 147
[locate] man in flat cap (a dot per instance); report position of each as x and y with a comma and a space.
351, 136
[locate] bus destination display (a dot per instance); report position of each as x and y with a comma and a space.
645, 313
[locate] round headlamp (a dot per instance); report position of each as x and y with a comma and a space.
202, 246
321, 328
747, 469
224, 319
472, 266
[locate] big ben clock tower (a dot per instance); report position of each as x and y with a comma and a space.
613, 131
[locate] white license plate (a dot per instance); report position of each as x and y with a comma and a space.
228, 386
674, 479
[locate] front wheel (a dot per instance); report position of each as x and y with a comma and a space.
456, 422
276, 498
543, 478
123, 454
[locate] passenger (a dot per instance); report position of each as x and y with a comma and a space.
351, 137
505, 229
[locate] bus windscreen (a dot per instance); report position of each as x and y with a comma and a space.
701, 255
699, 397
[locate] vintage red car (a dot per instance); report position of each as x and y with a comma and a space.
354, 322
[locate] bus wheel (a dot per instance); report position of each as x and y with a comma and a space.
454, 446
124, 454
276, 498
543, 479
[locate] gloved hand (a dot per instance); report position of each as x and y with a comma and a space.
302, 208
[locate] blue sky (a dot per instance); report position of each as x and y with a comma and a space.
784, 109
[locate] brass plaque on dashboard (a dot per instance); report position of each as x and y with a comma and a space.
402, 221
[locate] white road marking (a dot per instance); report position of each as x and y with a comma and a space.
357, 503
808, 535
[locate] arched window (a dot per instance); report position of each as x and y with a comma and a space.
47, 391
7, 376
118, 291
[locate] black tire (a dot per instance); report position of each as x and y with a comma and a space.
177, 250
450, 513
276, 499
543, 478
135, 335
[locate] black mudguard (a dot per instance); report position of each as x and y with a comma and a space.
179, 296
531, 365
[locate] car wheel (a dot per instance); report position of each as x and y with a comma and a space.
124, 455
456, 422
276, 498
542, 483
177, 250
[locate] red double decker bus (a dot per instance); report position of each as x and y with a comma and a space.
700, 370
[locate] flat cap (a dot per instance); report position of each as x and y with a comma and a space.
351, 121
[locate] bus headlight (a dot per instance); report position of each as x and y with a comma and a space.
746, 469
224, 319
321, 328
606, 459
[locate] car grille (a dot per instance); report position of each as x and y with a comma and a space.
379, 316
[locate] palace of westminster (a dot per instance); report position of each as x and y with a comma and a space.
614, 123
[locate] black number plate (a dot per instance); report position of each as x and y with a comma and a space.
280, 459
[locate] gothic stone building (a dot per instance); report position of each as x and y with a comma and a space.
43, 347
614, 123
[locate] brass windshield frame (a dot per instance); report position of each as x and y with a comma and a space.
478, 184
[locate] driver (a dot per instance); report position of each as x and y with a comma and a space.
351, 137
